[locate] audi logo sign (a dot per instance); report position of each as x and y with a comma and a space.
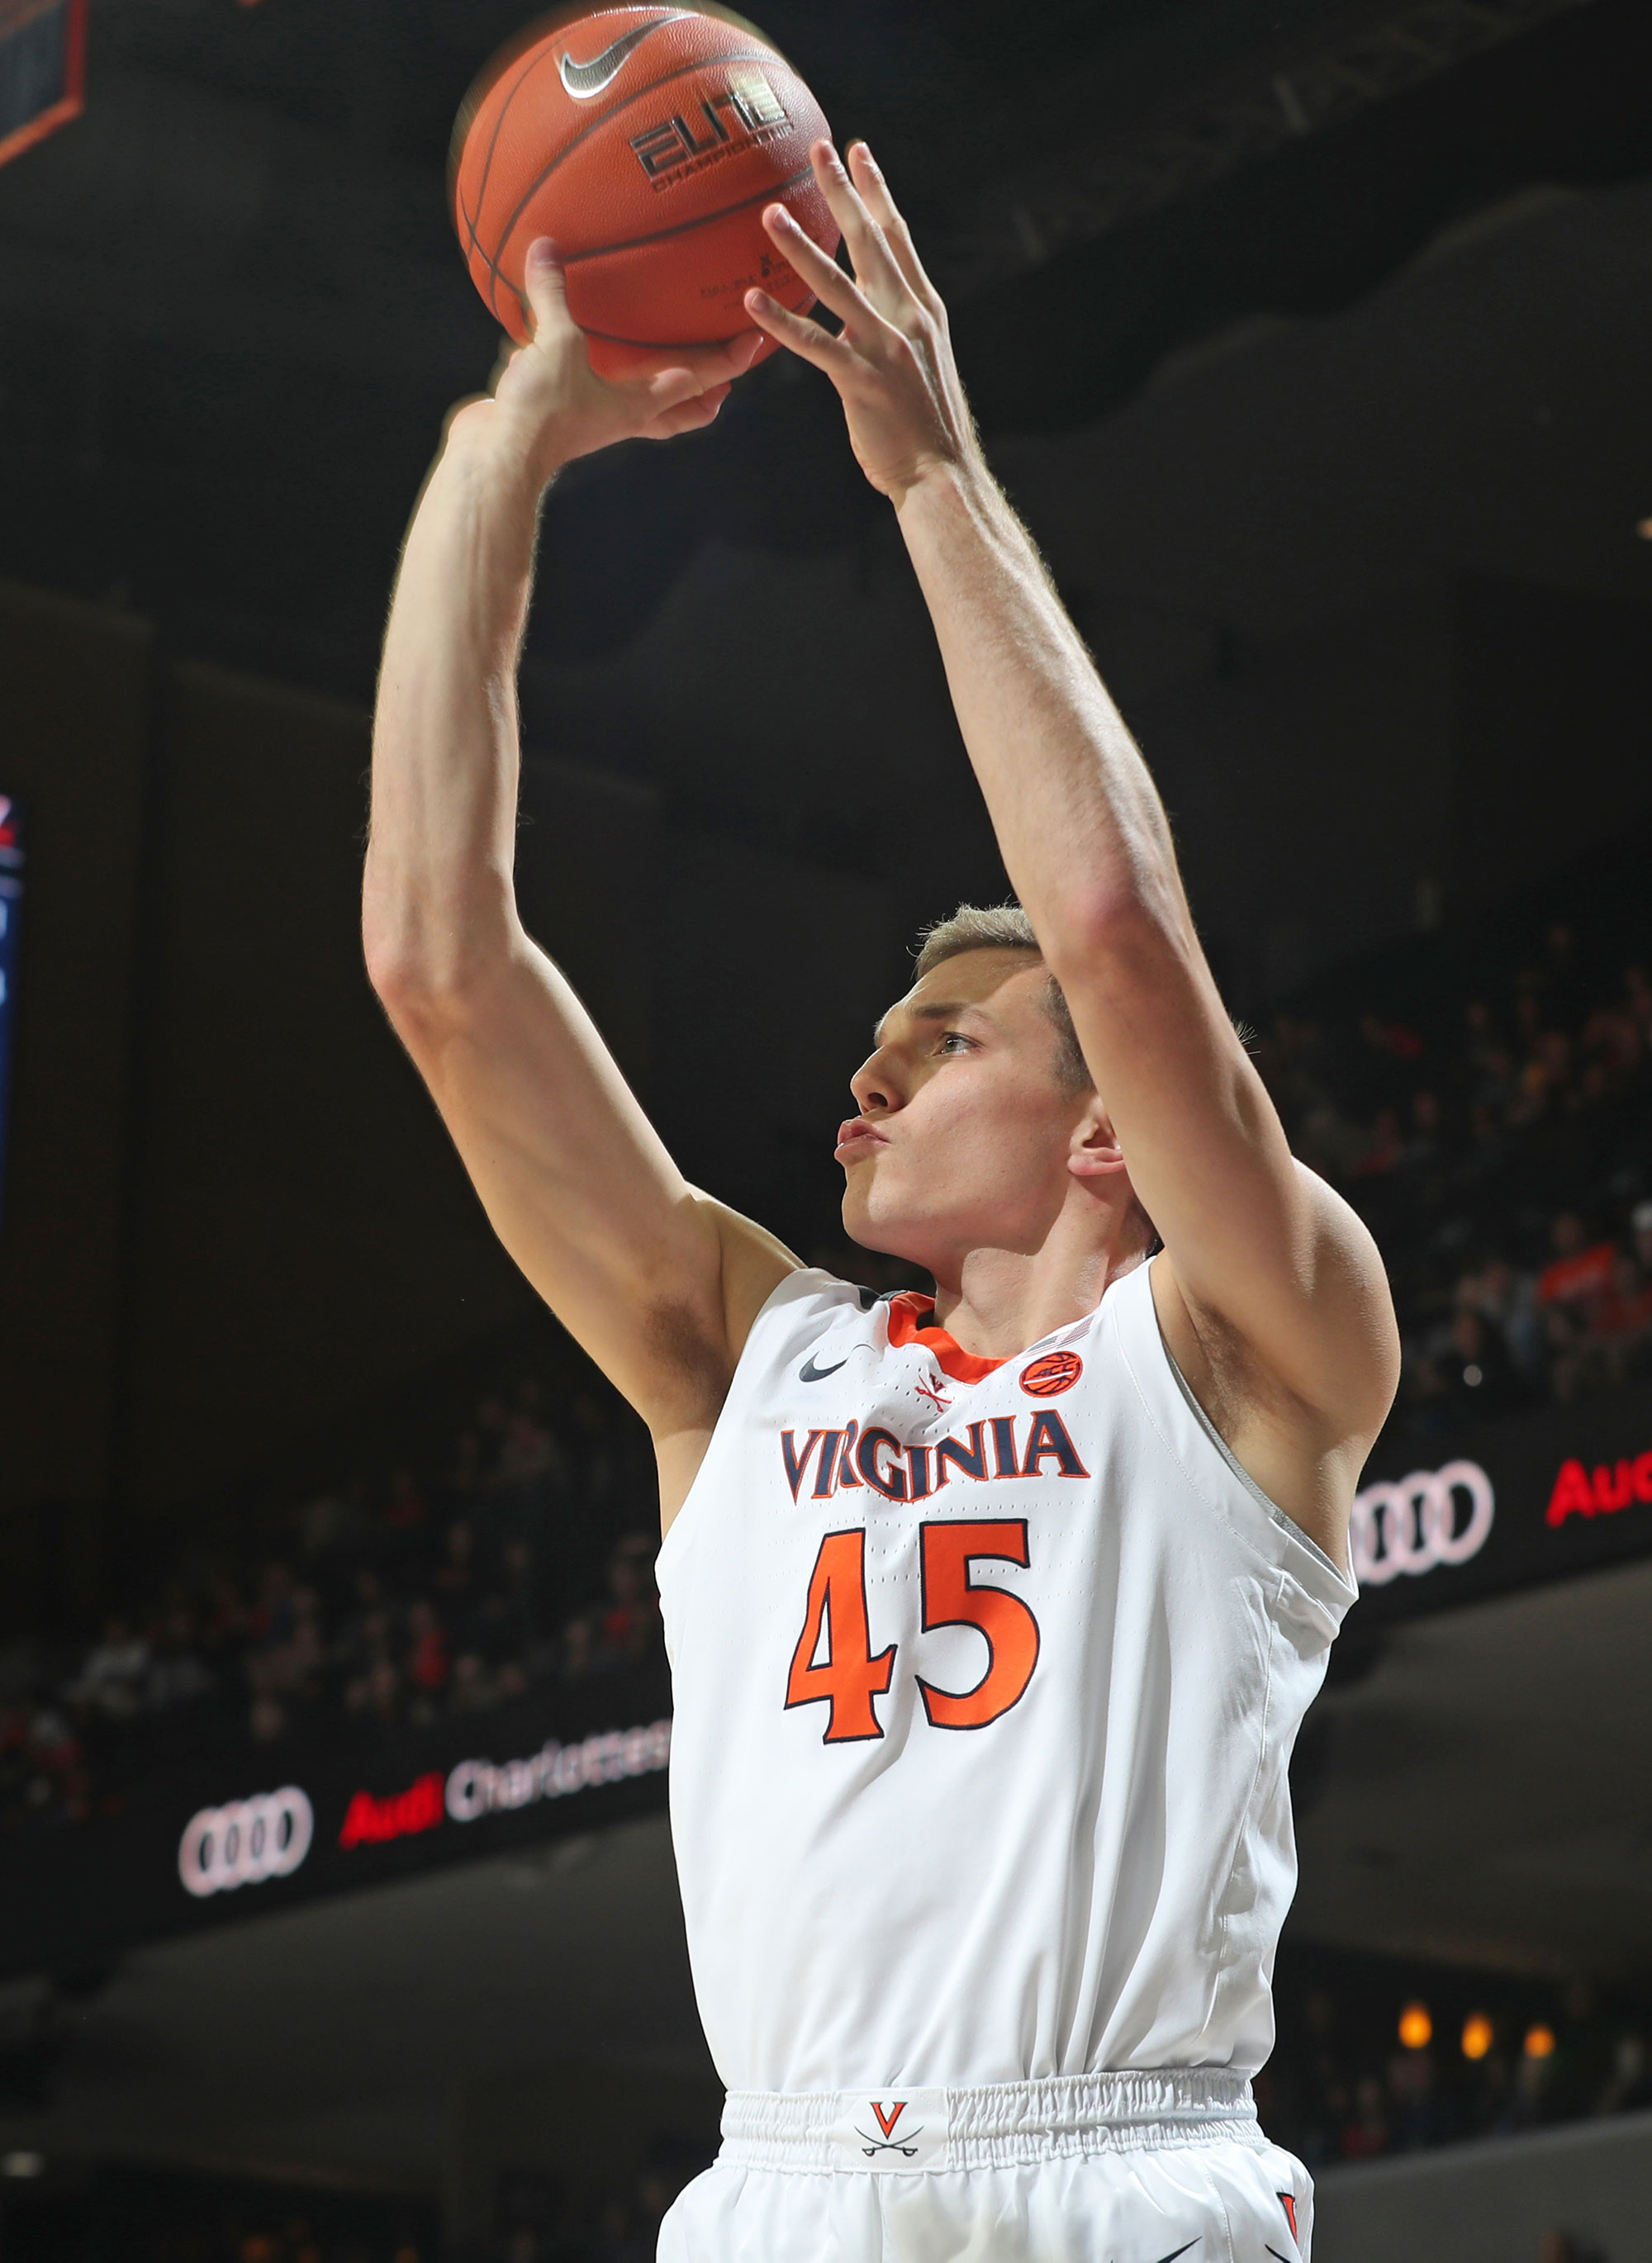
1411, 1524
245, 1842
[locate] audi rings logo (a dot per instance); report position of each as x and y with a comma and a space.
1433, 1517
246, 1843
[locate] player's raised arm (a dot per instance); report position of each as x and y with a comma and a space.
658, 1283
1274, 1300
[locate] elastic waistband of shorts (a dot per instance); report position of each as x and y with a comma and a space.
900, 2129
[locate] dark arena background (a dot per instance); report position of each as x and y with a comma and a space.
338, 1922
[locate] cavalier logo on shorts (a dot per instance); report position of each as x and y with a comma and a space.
887, 2119
1047, 1377
899, 2136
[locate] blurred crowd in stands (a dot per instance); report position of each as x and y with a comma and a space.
79, 2211
525, 1559
83, 2212
1499, 1144
538, 2219
1361, 2072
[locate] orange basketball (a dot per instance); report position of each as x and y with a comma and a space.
646, 141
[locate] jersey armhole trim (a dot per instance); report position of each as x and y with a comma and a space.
1346, 1590
1282, 1517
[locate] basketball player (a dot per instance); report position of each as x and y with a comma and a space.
992, 1620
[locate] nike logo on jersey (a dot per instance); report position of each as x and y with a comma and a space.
810, 1373
1174, 2251
585, 79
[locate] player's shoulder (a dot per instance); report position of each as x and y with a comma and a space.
809, 1309
810, 1298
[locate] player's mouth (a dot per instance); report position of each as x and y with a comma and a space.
856, 1139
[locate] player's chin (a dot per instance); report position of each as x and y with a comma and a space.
879, 1225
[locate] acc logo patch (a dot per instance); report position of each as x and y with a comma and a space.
1048, 1376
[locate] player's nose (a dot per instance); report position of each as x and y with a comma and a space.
874, 1085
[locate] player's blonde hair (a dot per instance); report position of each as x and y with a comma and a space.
1006, 927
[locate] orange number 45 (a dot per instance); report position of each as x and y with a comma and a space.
849, 1677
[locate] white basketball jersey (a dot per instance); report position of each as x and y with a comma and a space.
987, 1677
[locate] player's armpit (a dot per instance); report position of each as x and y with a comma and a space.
1305, 1450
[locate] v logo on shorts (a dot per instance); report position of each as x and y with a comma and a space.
900, 2137
887, 2118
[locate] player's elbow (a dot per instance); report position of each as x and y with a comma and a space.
428, 965
399, 978
1119, 933
398, 962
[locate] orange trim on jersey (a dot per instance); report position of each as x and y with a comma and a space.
909, 1322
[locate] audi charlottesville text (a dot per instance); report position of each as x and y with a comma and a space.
1580, 1492
247, 1842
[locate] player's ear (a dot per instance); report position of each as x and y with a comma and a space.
1094, 1152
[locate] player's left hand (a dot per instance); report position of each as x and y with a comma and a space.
892, 363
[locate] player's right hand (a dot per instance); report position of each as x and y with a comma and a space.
548, 405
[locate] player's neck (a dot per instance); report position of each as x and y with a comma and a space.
997, 1302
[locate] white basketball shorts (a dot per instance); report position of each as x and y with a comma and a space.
1110, 2168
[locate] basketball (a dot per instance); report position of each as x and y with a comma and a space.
646, 141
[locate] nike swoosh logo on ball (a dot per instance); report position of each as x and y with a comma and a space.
810, 1373
583, 80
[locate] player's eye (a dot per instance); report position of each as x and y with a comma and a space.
955, 1040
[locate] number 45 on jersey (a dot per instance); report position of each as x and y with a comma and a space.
847, 1677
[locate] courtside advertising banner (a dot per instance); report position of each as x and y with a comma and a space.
264, 1831
1539, 1496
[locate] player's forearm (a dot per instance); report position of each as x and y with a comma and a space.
438, 901
1079, 821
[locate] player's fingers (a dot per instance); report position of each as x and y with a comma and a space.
666, 390
804, 338
545, 287
876, 270
660, 390
698, 372
721, 364
868, 175
824, 277
691, 415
